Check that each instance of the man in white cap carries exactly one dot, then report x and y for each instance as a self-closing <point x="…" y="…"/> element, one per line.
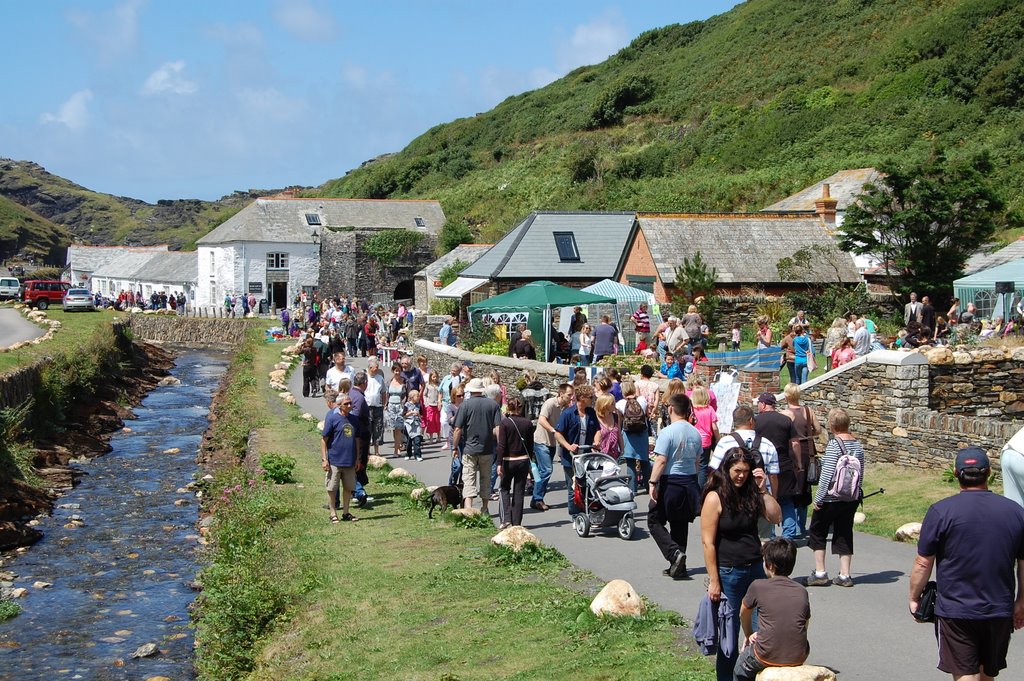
<point x="477" y="420"/>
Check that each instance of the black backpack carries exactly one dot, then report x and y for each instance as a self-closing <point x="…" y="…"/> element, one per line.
<point x="634" y="419"/>
<point x="754" y="448"/>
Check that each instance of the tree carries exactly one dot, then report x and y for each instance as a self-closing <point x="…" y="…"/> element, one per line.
<point x="922" y="222"/>
<point x="452" y="234"/>
<point x="694" y="277"/>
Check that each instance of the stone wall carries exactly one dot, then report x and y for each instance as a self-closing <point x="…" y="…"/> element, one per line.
<point x="987" y="381"/>
<point x="189" y="331"/>
<point x="440" y="357"/>
<point x="18" y="386"/>
<point x="887" y="395"/>
<point x="346" y="268"/>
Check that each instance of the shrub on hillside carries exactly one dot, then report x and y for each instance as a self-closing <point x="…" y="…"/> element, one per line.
<point x="278" y="468"/>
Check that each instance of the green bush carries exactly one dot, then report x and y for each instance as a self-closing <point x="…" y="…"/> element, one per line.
<point x="446" y="306"/>
<point x="612" y="103"/>
<point x="278" y="468"/>
<point x="452" y="234"/>
<point x="581" y="163"/>
<point x="9" y="609"/>
<point x="494" y="347"/>
<point x="530" y="557"/>
<point x="242" y="595"/>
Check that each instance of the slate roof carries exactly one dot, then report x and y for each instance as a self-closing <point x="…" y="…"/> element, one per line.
<point x="124" y="266"/>
<point x="987" y="258"/>
<point x="468" y="253"/>
<point x="169" y="267"/>
<point x="528" y="252"/>
<point x="844" y="187"/>
<point x="742" y="247"/>
<point x="284" y="219"/>
<point x="89" y="258"/>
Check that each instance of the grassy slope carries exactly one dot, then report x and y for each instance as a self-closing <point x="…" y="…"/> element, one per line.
<point x="732" y="114"/>
<point x="23" y="231"/>
<point x="76" y="329"/>
<point x="396" y="596"/>
<point x="102" y="219"/>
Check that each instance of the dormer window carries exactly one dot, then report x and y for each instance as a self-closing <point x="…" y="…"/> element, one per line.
<point x="312" y="219"/>
<point x="565" y="242"/>
<point x="420" y="222"/>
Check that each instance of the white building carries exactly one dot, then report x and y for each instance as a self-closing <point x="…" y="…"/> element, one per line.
<point x="268" y="248"/>
<point x="83" y="261"/>
<point x="161" y="272"/>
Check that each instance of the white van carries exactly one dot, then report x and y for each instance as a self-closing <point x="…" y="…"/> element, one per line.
<point x="10" y="287"/>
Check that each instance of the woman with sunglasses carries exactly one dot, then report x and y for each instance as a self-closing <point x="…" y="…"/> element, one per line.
<point x="735" y="497"/>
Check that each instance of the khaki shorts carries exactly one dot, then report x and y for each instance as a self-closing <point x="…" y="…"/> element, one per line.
<point x="346" y="475"/>
<point x="476" y="475"/>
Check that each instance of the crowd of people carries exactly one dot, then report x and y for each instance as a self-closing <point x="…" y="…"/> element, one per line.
<point x="760" y="491"/>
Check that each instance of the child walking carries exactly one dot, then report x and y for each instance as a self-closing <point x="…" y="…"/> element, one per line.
<point x="736" y="336"/>
<point x="413" y="428"/>
<point x="432" y="411"/>
<point x="783" y="611"/>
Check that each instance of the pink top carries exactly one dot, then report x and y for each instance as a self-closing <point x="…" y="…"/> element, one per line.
<point x="610" y="438"/>
<point x="706" y="418"/>
<point x="843" y="356"/>
<point x="711" y="394"/>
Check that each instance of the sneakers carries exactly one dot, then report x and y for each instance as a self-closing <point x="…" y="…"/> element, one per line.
<point x="678" y="568"/>
<point x="815" y="580"/>
<point x="419" y="458"/>
<point x="843" y="580"/>
<point x="408" y="458"/>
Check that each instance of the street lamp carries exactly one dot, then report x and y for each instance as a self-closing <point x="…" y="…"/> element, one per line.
<point x="316" y="236"/>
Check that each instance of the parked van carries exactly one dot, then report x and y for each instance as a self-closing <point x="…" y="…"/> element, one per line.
<point x="10" y="287"/>
<point x="42" y="293"/>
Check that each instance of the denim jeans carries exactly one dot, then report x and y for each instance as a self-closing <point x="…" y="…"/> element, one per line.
<point x="494" y="475"/>
<point x="456" y="475"/>
<point x="748" y="666"/>
<point x="631" y="465"/>
<point x="793" y="376"/>
<point x="791" y="527"/>
<point x="735" y="582"/>
<point x="801" y="372"/>
<point x="573" y="508"/>
<point x="414" y="446"/>
<point x="542" y="472"/>
<point x="702" y="467"/>
<point x="801" y="518"/>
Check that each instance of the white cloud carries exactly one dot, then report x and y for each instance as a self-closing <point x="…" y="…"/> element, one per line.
<point x="306" y="22"/>
<point x="593" y="42"/>
<point x="74" y="113"/>
<point x="168" y="78"/>
<point x="113" y="33"/>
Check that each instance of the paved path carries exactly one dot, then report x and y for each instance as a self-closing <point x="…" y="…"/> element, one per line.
<point x="15" y="328"/>
<point x="862" y="633"/>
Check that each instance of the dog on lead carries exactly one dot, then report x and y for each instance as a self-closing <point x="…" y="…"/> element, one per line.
<point x="446" y="496"/>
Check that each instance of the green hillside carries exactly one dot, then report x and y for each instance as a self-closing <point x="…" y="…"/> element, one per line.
<point x="732" y="113"/>
<point x="23" y="232"/>
<point x="102" y="219"/>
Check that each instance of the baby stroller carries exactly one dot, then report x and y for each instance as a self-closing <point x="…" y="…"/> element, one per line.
<point x="603" y="493"/>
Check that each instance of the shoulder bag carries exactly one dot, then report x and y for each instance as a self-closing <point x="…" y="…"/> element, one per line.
<point x="803" y="449"/>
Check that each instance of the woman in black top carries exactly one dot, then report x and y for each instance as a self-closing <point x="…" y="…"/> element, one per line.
<point x="515" y="448"/>
<point x="310" y="369"/>
<point x="524" y="348"/>
<point x="734" y="499"/>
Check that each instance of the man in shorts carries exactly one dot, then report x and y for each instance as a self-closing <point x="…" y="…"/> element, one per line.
<point x="476" y="425"/>
<point x="338" y="456"/>
<point x="974" y="539"/>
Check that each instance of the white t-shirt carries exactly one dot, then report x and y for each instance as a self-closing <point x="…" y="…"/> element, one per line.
<point x="333" y="378"/>
<point x="374" y="390"/>
<point x="767" y="450"/>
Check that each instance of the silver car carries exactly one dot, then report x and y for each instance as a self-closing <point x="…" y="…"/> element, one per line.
<point x="79" y="299"/>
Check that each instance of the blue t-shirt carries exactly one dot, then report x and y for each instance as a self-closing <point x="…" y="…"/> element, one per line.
<point x="681" y="443"/>
<point x="340" y="433"/>
<point x="801" y="346"/>
<point x="672" y="371"/>
<point x="604" y="339"/>
<point x="977" y="537"/>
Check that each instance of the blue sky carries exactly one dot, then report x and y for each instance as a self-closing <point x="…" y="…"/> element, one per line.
<point x="195" y="99"/>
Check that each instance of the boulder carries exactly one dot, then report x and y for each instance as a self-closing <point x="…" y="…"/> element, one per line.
<point x="290" y="399"/>
<point x="320" y="427"/>
<point x="169" y="380"/>
<point x="962" y="358"/>
<point x="909" y="532"/>
<point x="41" y="585"/>
<point x="277" y="375"/>
<point x="939" y="355"/>
<point x="308" y="416"/>
<point x="285" y="395"/>
<point x="19" y="592"/>
<point x="805" y="672"/>
<point x="466" y="512"/>
<point x="172" y="450"/>
<point x="859" y="518"/>
<point x="146" y="650"/>
<point x="515" y="538"/>
<point x="1018" y="354"/>
<point x="399" y="473"/>
<point x="373" y="461"/>
<point x="282" y="366"/>
<point x="618" y="598"/>
<point x="418" y="493"/>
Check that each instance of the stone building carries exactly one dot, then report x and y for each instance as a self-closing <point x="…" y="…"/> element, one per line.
<point x="280" y="246"/>
<point x="169" y="272"/>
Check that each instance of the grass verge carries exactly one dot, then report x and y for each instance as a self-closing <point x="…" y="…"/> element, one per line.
<point x="396" y="596"/>
<point x="75" y="332"/>
<point x="908" y="494"/>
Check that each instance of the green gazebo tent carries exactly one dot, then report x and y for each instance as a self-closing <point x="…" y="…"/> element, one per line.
<point x="531" y="305"/>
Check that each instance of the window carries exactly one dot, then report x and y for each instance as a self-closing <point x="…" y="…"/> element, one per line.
<point x="985" y="302"/>
<point x="213" y="264"/>
<point x="566" y="244"/>
<point x="312" y="219"/>
<point x="420" y="222"/>
<point x="277" y="261"/>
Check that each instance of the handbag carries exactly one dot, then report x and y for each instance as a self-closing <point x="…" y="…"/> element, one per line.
<point x="812" y="363"/>
<point x="803" y="452"/>
<point x="926" y="604"/>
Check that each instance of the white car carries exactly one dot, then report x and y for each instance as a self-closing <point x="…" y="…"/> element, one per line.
<point x="10" y="287"/>
<point x="79" y="299"/>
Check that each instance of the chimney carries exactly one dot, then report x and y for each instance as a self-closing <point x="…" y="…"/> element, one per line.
<point x="825" y="207"/>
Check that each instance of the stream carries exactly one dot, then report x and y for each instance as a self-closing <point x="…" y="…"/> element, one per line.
<point x="118" y="552"/>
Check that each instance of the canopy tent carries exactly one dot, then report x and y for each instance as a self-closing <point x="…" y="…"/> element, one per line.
<point x="627" y="300"/>
<point x="980" y="288"/>
<point x="531" y="305"/>
<point x="460" y="287"/>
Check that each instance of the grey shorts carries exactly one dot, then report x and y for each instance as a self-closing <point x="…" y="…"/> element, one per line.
<point x="476" y="475"/>
<point x="346" y="475"/>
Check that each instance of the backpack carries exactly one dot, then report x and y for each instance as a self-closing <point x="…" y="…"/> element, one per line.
<point x="754" y="449"/>
<point x="845" y="485"/>
<point x="634" y="419"/>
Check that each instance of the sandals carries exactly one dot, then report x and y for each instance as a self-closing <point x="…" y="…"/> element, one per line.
<point x="348" y="517"/>
<point x="334" y="519"/>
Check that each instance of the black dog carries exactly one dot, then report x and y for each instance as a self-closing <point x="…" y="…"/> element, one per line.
<point x="446" y="496"/>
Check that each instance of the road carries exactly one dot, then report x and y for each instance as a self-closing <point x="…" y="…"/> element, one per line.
<point x="862" y="633"/>
<point x="14" y="328"/>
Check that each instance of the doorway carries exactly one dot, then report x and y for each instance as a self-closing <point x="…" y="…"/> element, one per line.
<point x="405" y="290"/>
<point x="278" y="293"/>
